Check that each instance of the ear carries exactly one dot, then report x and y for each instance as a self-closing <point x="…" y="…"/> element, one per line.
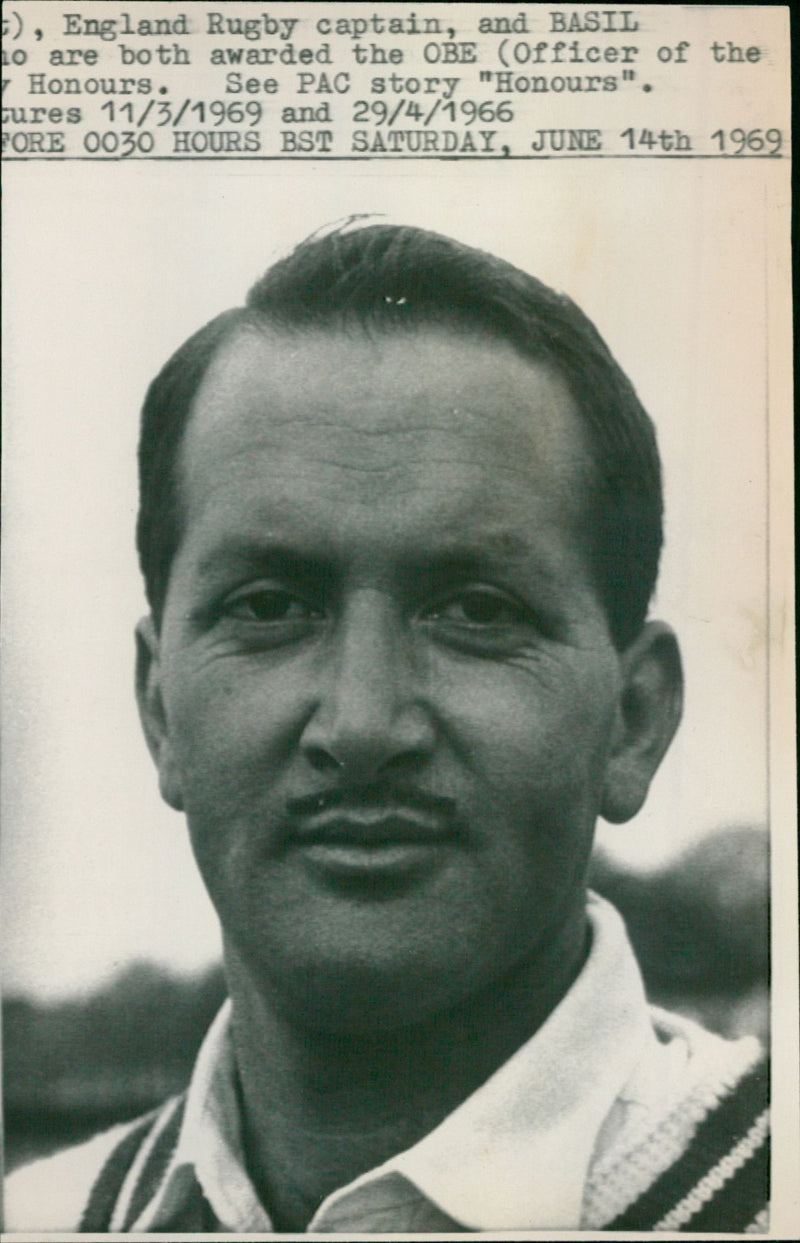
<point x="151" y="711"/>
<point x="648" y="714"/>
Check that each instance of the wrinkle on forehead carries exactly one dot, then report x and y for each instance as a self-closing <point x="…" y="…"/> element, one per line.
<point x="371" y="367"/>
<point x="398" y="411"/>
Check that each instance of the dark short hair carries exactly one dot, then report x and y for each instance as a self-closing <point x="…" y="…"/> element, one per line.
<point x="386" y="278"/>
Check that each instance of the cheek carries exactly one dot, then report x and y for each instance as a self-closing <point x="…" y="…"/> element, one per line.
<point x="233" y="714"/>
<point x="532" y="727"/>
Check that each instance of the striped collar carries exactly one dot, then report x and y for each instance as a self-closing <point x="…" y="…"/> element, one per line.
<point x="514" y="1153"/>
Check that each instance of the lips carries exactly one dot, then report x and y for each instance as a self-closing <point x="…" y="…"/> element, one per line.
<point x="371" y="819"/>
<point x="380" y="829"/>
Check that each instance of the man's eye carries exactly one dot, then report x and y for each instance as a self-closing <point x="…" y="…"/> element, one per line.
<point x="268" y="604"/>
<point x="478" y="606"/>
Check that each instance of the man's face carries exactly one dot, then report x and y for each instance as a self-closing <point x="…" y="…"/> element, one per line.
<point x="386" y="681"/>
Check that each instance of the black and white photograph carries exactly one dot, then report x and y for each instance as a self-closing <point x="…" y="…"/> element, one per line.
<point x="399" y="811"/>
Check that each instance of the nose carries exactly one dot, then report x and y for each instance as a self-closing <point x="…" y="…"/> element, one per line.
<point x="370" y="719"/>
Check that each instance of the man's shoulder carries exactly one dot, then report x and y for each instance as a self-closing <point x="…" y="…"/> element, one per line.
<point x="693" y="1149"/>
<point x="55" y="1193"/>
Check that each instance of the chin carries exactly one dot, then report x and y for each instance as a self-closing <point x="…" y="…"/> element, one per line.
<point x="356" y="995"/>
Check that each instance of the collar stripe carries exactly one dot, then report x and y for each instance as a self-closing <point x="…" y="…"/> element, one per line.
<point x="109" y="1182"/>
<point x="156" y="1163"/>
<point x="724" y="1130"/>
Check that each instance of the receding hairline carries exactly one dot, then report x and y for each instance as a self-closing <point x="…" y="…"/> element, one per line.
<point x="271" y="331"/>
<point x="581" y="458"/>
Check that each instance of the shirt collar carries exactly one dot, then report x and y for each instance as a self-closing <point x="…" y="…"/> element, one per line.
<point x="513" y="1155"/>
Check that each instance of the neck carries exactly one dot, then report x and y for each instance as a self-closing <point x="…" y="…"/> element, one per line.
<point x="321" y="1108"/>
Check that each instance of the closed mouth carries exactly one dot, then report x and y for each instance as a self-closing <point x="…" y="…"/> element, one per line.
<point x="383" y="828"/>
<point x="371" y="819"/>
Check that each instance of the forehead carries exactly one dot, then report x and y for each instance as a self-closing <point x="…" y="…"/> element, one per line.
<point x="424" y="399"/>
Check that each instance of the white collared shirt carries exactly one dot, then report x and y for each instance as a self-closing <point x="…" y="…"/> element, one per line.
<point x="560" y="1137"/>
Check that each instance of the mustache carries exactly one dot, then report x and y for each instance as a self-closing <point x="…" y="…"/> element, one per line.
<point x="374" y="797"/>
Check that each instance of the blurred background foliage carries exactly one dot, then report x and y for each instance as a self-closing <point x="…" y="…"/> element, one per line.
<point x="700" y="927"/>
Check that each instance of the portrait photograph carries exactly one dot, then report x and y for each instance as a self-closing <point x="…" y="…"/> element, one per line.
<point x="399" y="828"/>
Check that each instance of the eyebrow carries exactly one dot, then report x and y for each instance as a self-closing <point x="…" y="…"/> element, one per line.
<point x="443" y="559"/>
<point x="244" y="555"/>
<point x="505" y="545"/>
